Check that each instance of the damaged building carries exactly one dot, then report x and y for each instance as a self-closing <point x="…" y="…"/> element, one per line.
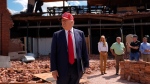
<point x="30" y="32"/>
<point x="100" y="17"/>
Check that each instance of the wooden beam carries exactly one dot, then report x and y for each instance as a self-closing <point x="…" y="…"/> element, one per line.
<point x="107" y="18"/>
<point x="33" y="18"/>
<point x="136" y="16"/>
<point x="104" y="28"/>
<point x="26" y="69"/>
<point x="36" y="18"/>
<point x="45" y="76"/>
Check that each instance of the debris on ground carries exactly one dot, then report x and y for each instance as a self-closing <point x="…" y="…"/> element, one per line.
<point x="95" y="66"/>
<point x="23" y="72"/>
<point x="135" y="71"/>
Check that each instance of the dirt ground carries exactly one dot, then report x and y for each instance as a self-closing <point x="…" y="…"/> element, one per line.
<point x="93" y="75"/>
<point x="109" y="78"/>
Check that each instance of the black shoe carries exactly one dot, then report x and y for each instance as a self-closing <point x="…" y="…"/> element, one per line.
<point x="102" y="74"/>
<point x="116" y="73"/>
<point x="105" y="73"/>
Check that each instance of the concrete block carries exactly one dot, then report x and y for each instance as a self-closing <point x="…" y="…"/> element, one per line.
<point x="4" y="61"/>
<point x="17" y="55"/>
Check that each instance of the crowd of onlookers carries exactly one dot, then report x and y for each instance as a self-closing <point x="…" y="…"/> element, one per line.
<point x="118" y="50"/>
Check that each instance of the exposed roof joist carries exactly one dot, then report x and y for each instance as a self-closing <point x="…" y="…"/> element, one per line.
<point x="88" y="25"/>
<point x="109" y="17"/>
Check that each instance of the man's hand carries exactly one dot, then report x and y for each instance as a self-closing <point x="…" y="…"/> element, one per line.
<point x="55" y="74"/>
<point x="114" y="54"/>
<point x="136" y="47"/>
<point x="128" y="45"/>
<point x="86" y="69"/>
<point x="147" y="50"/>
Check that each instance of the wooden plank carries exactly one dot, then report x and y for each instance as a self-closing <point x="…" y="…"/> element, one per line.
<point x="34" y="18"/>
<point x="138" y="16"/>
<point x="49" y="78"/>
<point x="127" y="9"/>
<point x="26" y="69"/>
<point x="82" y="16"/>
<point x="45" y="76"/>
<point x="107" y="18"/>
<point x="25" y="83"/>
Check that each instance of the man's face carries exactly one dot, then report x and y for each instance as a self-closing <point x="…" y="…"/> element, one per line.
<point x="67" y="24"/>
<point x="118" y="40"/>
<point x="134" y="38"/>
<point x="144" y="39"/>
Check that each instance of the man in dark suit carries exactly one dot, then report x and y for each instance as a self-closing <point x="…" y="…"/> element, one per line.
<point x="69" y="57"/>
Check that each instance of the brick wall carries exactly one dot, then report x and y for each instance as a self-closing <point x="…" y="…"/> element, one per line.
<point x="6" y="24"/>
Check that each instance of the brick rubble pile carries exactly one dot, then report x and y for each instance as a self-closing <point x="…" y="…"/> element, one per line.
<point x="23" y="72"/>
<point x="135" y="71"/>
<point x="95" y="66"/>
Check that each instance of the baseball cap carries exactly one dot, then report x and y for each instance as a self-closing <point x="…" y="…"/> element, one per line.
<point x="68" y="16"/>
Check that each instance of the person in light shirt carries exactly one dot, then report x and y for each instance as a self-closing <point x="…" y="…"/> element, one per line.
<point x="103" y="49"/>
<point x="118" y="50"/>
<point x="145" y="50"/>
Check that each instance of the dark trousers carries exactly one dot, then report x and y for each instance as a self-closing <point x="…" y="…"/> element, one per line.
<point x="30" y="8"/>
<point x="118" y="59"/>
<point x="72" y="77"/>
<point x="38" y="8"/>
<point x="134" y="56"/>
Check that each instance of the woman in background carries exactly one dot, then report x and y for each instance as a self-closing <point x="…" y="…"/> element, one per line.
<point x="103" y="49"/>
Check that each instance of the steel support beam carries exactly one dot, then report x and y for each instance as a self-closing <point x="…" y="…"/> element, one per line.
<point x="27" y="37"/>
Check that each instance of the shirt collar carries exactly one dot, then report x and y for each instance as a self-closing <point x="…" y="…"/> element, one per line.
<point x="145" y="42"/>
<point x="70" y="30"/>
<point x="118" y="43"/>
<point x="135" y="41"/>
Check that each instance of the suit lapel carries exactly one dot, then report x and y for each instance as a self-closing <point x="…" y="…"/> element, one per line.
<point x="76" y="35"/>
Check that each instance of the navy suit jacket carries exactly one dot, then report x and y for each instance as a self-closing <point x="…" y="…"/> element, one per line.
<point x="59" y="52"/>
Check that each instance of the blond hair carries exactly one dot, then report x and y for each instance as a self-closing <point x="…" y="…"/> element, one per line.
<point x="104" y="41"/>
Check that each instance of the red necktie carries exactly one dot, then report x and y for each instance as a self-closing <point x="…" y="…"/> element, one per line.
<point x="70" y="48"/>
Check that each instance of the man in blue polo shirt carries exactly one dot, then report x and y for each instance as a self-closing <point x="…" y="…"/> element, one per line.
<point x="145" y="50"/>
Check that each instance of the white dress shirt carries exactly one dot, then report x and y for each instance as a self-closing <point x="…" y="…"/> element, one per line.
<point x="73" y="39"/>
<point x="101" y="47"/>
